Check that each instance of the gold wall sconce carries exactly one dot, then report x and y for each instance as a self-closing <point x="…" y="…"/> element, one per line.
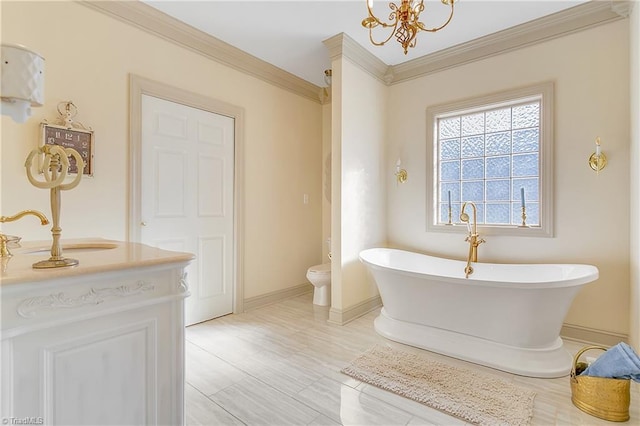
<point x="597" y="160"/>
<point x="401" y="174"/>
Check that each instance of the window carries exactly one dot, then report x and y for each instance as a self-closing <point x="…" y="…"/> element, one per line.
<point x="494" y="151"/>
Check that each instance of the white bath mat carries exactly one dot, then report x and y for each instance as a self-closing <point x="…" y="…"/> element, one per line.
<point x="474" y="397"/>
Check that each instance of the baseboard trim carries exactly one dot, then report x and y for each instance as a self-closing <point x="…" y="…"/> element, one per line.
<point x="591" y="335"/>
<point x="276" y="296"/>
<point x="342" y="317"/>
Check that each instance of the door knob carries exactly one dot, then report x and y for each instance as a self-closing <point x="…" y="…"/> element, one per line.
<point x="143" y="223"/>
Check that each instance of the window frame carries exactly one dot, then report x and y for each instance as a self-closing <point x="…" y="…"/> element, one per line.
<point x="544" y="91"/>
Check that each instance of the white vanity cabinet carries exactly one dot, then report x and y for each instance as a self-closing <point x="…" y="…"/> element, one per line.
<point x="99" y="345"/>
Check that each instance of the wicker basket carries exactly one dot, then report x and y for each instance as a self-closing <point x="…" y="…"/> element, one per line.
<point x="601" y="397"/>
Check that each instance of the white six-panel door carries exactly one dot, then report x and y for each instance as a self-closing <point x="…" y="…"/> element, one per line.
<point x="187" y="197"/>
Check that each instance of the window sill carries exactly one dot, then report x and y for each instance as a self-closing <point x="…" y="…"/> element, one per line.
<point x="506" y="230"/>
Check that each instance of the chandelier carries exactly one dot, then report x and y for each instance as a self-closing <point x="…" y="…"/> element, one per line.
<point x="404" y="21"/>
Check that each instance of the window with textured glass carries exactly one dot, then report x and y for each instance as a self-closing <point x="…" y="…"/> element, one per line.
<point x="490" y="154"/>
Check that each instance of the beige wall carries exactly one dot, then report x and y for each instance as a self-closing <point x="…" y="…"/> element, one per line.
<point x="89" y="57"/>
<point x="358" y="205"/>
<point x="634" y="68"/>
<point x="591" y="74"/>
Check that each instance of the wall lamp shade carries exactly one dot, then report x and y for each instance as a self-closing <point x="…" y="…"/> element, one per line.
<point x="328" y="74"/>
<point x="22" y="81"/>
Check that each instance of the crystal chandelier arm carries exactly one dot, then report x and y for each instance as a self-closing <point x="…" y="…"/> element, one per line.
<point x="372" y="21"/>
<point x="404" y="21"/>
<point x="433" y="30"/>
<point x="393" y="30"/>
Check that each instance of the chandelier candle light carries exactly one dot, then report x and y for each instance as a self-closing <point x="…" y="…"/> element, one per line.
<point x="404" y="21"/>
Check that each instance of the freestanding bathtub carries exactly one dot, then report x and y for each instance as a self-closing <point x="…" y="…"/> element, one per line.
<point x="504" y="316"/>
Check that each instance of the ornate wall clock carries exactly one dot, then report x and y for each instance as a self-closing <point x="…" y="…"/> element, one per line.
<point x="70" y="134"/>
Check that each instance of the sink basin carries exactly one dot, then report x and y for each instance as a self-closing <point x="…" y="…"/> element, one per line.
<point x="74" y="248"/>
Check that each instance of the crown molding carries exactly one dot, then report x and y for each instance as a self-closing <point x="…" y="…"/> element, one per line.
<point x="562" y="23"/>
<point x="153" y="21"/>
<point x="559" y="24"/>
<point x="623" y="7"/>
<point x="341" y="45"/>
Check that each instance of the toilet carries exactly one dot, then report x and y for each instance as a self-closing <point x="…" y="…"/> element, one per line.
<point x="320" y="277"/>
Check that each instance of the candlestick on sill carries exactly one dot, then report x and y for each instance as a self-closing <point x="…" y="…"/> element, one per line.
<point x="449" y="206"/>
<point x="524" y="218"/>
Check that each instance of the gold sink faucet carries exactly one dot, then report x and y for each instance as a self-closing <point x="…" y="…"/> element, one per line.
<point x="4" y="250"/>
<point x="473" y="238"/>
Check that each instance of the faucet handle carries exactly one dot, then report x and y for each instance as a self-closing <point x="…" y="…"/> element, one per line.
<point x="4" y="239"/>
<point x="4" y="249"/>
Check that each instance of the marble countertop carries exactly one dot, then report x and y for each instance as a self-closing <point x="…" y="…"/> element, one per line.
<point x="95" y="255"/>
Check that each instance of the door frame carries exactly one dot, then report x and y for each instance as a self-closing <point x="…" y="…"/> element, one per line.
<point x="139" y="86"/>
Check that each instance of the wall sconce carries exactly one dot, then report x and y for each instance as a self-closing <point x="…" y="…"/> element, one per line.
<point x="22" y="81"/>
<point x="598" y="160"/>
<point x="327" y="79"/>
<point x="327" y="76"/>
<point x="401" y="174"/>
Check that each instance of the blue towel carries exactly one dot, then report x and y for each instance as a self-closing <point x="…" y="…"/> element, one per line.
<point x="619" y="361"/>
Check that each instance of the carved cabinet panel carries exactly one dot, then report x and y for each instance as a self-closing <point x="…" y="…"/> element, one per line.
<point x="100" y="349"/>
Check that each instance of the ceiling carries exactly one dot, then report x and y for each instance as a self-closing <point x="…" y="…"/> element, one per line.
<point x="289" y="34"/>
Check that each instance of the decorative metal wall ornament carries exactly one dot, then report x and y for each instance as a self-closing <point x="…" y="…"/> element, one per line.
<point x="68" y="133"/>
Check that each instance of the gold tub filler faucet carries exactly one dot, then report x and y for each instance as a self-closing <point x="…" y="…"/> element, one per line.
<point x="4" y="249"/>
<point x="473" y="238"/>
<point x="55" y="167"/>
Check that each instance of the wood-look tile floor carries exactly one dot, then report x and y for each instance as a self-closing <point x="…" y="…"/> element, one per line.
<point x="280" y="365"/>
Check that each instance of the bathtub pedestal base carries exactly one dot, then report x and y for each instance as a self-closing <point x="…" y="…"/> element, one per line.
<point x="546" y="362"/>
